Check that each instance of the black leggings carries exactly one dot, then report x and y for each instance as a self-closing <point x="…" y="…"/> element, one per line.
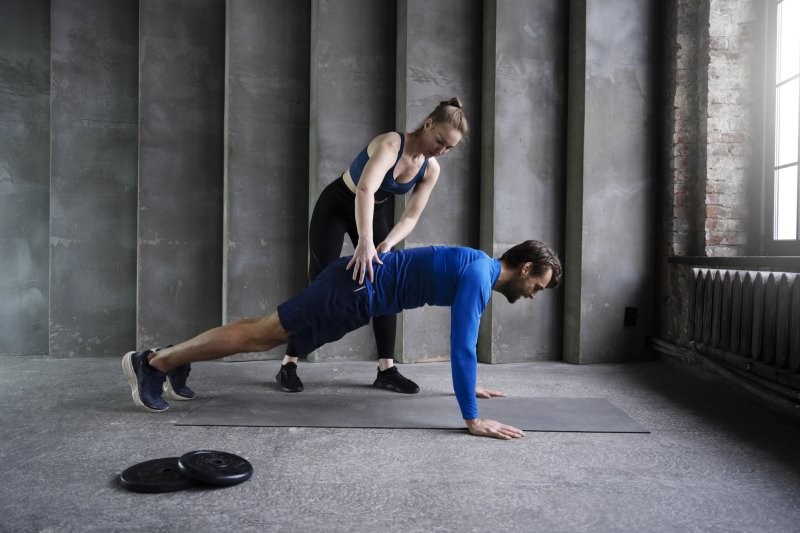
<point x="334" y="215"/>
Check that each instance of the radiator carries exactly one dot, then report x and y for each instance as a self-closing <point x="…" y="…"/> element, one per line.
<point x="753" y="314"/>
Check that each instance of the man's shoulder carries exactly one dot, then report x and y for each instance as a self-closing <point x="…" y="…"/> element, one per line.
<point x="480" y="266"/>
<point x="475" y="279"/>
<point x="460" y="259"/>
<point x="470" y="254"/>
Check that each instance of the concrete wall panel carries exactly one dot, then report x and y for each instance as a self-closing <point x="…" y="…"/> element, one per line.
<point x="524" y="175"/>
<point x="441" y="59"/>
<point x="94" y="93"/>
<point x="303" y="92"/>
<point x="266" y="168"/>
<point x="352" y="100"/>
<point x="24" y="175"/>
<point x="612" y="244"/>
<point x="439" y="56"/>
<point x="182" y="69"/>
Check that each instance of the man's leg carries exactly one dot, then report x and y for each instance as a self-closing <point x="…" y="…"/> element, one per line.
<point x="248" y="335"/>
<point x="147" y="370"/>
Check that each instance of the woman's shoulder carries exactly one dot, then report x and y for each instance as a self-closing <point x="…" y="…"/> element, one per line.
<point x="432" y="170"/>
<point x="387" y="141"/>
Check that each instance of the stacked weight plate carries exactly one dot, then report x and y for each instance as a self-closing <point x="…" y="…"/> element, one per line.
<point x="199" y="467"/>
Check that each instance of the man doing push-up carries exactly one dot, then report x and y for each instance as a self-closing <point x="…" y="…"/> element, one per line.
<point x="335" y="304"/>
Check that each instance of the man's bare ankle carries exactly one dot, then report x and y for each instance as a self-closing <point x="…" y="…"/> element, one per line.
<point x="156" y="361"/>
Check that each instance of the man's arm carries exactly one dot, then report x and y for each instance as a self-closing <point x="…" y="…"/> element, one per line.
<point x="465" y="317"/>
<point x="472" y="295"/>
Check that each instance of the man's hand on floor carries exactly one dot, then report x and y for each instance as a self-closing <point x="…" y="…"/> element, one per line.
<point x="480" y="392"/>
<point x="482" y="427"/>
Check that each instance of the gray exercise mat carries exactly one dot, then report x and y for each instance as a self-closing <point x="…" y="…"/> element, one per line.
<point x="420" y="411"/>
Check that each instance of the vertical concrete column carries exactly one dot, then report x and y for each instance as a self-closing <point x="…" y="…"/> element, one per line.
<point x="182" y="45"/>
<point x="610" y="221"/>
<point x="352" y="100"/>
<point x="523" y="174"/>
<point x="93" y="163"/>
<point x="438" y="57"/>
<point x="266" y="156"/>
<point x="24" y="175"/>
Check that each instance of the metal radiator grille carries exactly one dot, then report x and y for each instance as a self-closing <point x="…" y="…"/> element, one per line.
<point x="749" y="313"/>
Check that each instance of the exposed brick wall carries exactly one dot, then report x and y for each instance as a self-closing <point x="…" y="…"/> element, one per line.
<point x="712" y="67"/>
<point x="685" y="67"/>
<point x="732" y="178"/>
<point x="678" y="151"/>
<point x="713" y="102"/>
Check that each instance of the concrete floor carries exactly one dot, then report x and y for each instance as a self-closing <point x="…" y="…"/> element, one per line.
<point x="715" y="461"/>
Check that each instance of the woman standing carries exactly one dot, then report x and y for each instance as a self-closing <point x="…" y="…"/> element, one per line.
<point x="393" y="163"/>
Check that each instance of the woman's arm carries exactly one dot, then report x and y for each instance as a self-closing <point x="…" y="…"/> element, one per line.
<point x="416" y="205"/>
<point x="383" y="157"/>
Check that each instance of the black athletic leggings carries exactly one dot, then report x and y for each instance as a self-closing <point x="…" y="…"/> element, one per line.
<point x="334" y="215"/>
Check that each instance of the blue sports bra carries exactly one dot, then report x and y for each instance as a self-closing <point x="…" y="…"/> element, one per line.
<point x="389" y="186"/>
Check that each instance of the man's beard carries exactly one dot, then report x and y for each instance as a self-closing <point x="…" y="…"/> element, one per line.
<point x="513" y="291"/>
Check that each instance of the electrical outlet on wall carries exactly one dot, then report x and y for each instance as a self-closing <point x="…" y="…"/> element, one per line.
<point x="630" y="317"/>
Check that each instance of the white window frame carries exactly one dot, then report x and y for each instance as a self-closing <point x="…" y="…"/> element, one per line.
<point x="773" y="245"/>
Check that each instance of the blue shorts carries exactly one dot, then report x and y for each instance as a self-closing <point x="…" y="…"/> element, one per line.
<point x="326" y="310"/>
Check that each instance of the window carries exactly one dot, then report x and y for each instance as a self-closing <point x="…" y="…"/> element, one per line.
<point x="784" y="148"/>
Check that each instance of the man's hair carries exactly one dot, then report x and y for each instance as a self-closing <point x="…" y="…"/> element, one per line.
<point x="540" y="254"/>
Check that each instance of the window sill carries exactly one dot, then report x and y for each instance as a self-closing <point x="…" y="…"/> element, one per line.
<point x="788" y="262"/>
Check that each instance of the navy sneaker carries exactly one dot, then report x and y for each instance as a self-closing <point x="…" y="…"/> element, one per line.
<point x="287" y="378"/>
<point x="175" y="385"/>
<point x="146" y="382"/>
<point x="392" y="379"/>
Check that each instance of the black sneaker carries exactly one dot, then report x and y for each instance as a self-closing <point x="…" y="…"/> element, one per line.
<point x="287" y="378"/>
<point x="146" y="382"/>
<point x="175" y="387"/>
<point x="392" y="379"/>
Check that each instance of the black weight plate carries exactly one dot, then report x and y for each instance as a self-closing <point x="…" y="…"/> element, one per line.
<point x="158" y="475"/>
<point x="215" y="468"/>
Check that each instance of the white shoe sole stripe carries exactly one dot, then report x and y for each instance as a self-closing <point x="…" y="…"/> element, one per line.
<point x="127" y="368"/>
<point x="170" y="393"/>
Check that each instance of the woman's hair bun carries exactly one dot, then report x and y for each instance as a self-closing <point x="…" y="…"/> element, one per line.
<point x="448" y="112"/>
<point x="455" y="102"/>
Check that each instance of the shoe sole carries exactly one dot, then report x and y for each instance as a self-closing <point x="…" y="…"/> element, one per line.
<point x="130" y="373"/>
<point x="170" y="393"/>
<point x="393" y="388"/>
<point x="287" y="389"/>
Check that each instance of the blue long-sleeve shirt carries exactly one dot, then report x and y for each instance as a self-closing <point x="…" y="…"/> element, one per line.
<point x="458" y="277"/>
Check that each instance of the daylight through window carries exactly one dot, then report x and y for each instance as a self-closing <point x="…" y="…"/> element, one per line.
<point x="787" y="121"/>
